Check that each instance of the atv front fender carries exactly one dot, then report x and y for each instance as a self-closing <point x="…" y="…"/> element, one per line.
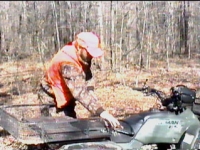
<point x="191" y="138"/>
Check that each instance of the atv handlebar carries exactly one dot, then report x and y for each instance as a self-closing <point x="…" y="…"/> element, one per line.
<point x="172" y="102"/>
<point x="151" y="91"/>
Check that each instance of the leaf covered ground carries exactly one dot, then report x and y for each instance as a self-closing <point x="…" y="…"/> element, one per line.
<point x="19" y="83"/>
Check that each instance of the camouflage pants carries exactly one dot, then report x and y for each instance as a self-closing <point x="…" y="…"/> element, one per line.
<point x="50" y="108"/>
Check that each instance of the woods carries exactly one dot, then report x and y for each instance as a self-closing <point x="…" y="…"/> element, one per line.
<point x="132" y="32"/>
<point x="154" y="40"/>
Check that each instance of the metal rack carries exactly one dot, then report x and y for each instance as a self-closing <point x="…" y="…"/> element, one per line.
<point x="45" y="129"/>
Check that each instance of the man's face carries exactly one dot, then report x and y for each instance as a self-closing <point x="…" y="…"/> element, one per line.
<point x="83" y="53"/>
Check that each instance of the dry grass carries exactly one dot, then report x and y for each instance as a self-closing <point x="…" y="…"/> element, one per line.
<point x="19" y="83"/>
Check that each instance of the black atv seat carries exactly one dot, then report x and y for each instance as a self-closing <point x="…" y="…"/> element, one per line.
<point x="135" y="122"/>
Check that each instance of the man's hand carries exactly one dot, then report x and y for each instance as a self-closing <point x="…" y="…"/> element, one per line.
<point x="111" y="119"/>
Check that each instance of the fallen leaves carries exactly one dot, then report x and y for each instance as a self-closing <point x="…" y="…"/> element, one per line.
<point x="112" y="89"/>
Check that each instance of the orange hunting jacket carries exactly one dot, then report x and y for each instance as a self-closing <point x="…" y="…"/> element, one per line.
<point x="68" y="80"/>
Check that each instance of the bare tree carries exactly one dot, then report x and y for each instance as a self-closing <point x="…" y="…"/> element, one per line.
<point x="138" y="31"/>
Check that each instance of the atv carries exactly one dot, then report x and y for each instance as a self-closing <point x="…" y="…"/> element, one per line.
<point x="175" y="127"/>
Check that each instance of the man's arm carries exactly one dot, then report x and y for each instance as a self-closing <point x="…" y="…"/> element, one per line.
<point x="76" y="82"/>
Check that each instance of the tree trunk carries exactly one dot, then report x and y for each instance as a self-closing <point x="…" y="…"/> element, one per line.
<point x="56" y="23"/>
<point x="186" y="18"/>
<point x="100" y="19"/>
<point x="112" y="35"/>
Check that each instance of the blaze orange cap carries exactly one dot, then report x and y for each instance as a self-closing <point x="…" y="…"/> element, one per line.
<point x="90" y="42"/>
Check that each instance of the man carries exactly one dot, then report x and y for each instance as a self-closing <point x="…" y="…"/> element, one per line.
<point x="67" y="74"/>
